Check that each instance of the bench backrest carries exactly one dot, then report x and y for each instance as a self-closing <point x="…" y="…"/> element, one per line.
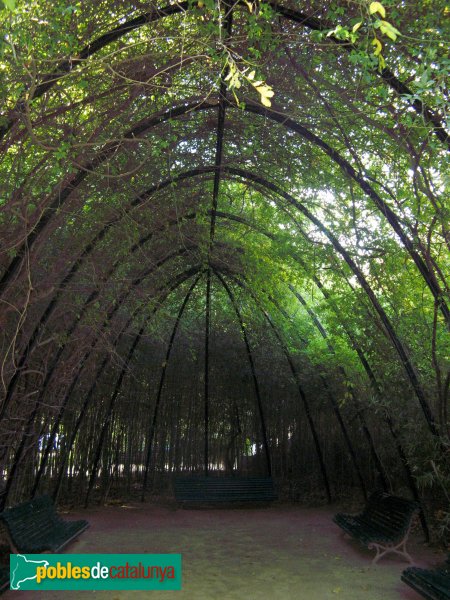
<point x="30" y="519"/>
<point x="391" y="514"/>
<point x="224" y="489"/>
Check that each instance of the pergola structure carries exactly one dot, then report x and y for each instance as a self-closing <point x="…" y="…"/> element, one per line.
<point x="223" y="246"/>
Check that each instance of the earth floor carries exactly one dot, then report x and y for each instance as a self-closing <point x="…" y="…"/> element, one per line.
<point x="276" y="553"/>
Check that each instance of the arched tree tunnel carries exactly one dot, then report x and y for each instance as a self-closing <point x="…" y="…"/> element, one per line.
<point x="224" y="249"/>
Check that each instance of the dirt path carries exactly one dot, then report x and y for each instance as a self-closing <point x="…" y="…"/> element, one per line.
<point x="277" y="553"/>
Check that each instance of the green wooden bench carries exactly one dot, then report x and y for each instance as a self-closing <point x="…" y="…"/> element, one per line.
<point x="433" y="584"/>
<point x="224" y="490"/>
<point x="34" y="527"/>
<point x="384" y="525"/>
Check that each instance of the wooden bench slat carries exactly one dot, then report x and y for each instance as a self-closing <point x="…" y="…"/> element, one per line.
<point x="223" y="490"/>
<point x="433" y="584"/>
<point x="35" y="526"/>
<point x="384" y="524"/>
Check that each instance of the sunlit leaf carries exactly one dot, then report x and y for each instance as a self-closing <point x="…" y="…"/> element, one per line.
<point x="378" y="47"/>
<point x="377" y="7"/>
<point x="389" y="30"/>
<point x="9" y="4"/>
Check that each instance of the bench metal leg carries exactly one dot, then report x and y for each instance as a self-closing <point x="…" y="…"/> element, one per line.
<point x="398" y="549"/>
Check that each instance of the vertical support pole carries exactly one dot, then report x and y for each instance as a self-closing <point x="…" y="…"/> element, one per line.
<point x="109" y="411"/>
<point x="206" y="406"/>
<point x="253" y="371"/>
<point x="306" y="405"/>
<point x="160" y="388"/>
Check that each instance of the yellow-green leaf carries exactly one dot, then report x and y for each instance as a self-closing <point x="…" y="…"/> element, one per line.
<point x="356" y="27"/>
<point x="10" y="4"/>
<point x="389" y="30"/>
<point x="377" y="7"/>
<point x="378" y="47"/>
<point x="265" y="90"/>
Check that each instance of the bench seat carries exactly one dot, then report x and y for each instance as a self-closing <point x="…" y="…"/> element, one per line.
<point x="432" y="584"/>
<point x="34" y="527"/>
<point x="384" y="525"/>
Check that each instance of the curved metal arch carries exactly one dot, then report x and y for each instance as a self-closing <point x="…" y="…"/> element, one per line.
<point x="61" y="195"/>
<point x="51" y="306"/>
<point x="289" y="14"/>
<point x="32" y="418"/>
<point x="387" y="417"/>
<point x="64" y="67"/>
<point x="153" y="421"/>
<point x="253" y="371"/>
<point x="368" y="190"/>
<point x="33" y="415"/>
<point x="56" y="424"/>
<point x="367" y="368"/>
<point x="163" y="294"/>
<point x="50" y="442"/>
<point x="49" y="311"/>
<point x="398" y="345"/>
<point x="278" y="117"/>
<point x="119" y="385"/>
<point x="265" y="184"/>
<point x="307" y="408"/>
<point x="333" y="402"/>
<point x="180" y="279"/>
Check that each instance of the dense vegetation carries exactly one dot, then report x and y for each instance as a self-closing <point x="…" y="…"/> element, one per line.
<point x="225" y="217"/>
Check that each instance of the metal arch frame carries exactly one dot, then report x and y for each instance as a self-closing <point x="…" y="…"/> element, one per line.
<point x="62" y="194"/>
<point x="145" y="124"/>
<point x="334" y="404"/>
<point x="320" y="328"/>
<point x="265" y="184"/>
<point x="362" y="281"/>
<point x="153" y="421"/>
<point x="246" y="223"/>
<point x="47" y="313"/>
<point x="305" y="404"/>
<point x="291" y="15"/>
<point x="50" y="441"/>
<point x="220" y="131"/>
<point x="367" y="368"/>
<point x="338" y="415"/>
<point x="184" y="276"/>
<point x="252" y="369"/>
<point x="112" y="311"/>
<point x="118" y="386"/>
<point x="239" y="220"/>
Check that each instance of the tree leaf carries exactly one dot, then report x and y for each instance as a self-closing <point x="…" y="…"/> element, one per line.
<point x="378" y="46"/>
<point x="389" y="30"/>
<point x="10" y="4"/>
<point x="377" y="7"/>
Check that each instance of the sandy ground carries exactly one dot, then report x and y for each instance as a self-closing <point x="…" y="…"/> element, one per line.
<point x="275" y="553"/>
